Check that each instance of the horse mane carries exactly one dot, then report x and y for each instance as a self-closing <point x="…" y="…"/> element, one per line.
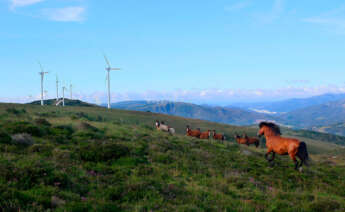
<point x="275" y="128"/>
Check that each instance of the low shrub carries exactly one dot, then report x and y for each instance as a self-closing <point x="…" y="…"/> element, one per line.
<point x="43" y="122"/>
<point x="22" y="139"/>
<point x="25" y="127"/>
<point x="5" y="138"/>
<point x="15" y="111"/>
<point x="102" y="152"/>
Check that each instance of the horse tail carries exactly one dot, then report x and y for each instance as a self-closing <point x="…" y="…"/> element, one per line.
<point x="302" y="153"/>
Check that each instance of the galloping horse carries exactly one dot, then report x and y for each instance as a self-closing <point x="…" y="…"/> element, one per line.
<point x="251" y="140"/>
<point x="218" y="136"/>
<point x="193" y="133"/>
<point x="162" y="127"/>
<point x="283" y="146"/>
<point x="205" y="135"/>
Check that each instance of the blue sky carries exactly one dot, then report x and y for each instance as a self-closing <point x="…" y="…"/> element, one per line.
<point x="215" y="52"/>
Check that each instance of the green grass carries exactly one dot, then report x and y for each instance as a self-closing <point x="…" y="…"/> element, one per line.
<point x="92" y="159"/>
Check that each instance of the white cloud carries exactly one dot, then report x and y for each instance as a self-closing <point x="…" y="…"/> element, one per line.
<point x="67" y="14"/>
<point x="334" y="19"/>
<point x="275" y="13"/>
<point x="23" y="3"/>
<point x="237" y="6"/>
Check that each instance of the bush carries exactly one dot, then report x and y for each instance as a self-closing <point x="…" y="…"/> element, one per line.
<point x="25" y="127"/>
<point x="42" y="122"/>
<point x="324" y="205"/>
<point x="102" y="152"/>
<point x="87" y="127"/>
<point x="15" y="111"/>
<point x="5" y="138"/>
<point x="22" y="139"/>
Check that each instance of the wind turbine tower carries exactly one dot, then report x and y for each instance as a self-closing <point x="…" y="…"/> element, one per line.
<point x="42" y="73"/>
<point x="57" y="89"/>
<point x="63" y="95"/>
<point x="70" y="89"/>
<point x="108" y="69"/>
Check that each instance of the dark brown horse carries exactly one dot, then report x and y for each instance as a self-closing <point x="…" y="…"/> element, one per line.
<point x="240" y="140"/>
<point x="251" y="140"/>
<point x="283" y="146"/>
<point x="205" y="135"/>
<point x="193" y="133"/>
<point x="216" y="136"/>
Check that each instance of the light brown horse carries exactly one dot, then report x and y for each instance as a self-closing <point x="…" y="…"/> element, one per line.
<point x="205" y="135"/>
<point x="283" y="146"/>
<point x="251" y="140"/>
<point x="193" y="133"/>
<point x="216" y="136"/>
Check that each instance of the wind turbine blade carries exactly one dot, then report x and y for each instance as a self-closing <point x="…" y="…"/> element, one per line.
<point x="40" y="66"/>
<point x="106" y="60"/>
<point x="115" y="69"/>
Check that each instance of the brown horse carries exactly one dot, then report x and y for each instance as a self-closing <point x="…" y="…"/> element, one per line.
<point x="283" y="146"/>
<point x="240" y="140"/>
<point x="216" y="136"/>
<point x="193" y="133"/>
<point x="205" y="135"/>
<point x="251" y="140"/>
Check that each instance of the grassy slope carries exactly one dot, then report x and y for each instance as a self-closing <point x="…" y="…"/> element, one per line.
<point x="123" y="163"/>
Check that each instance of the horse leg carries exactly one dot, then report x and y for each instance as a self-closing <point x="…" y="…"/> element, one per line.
<point x="267" y="153"/>
<point x="293" y="157"/>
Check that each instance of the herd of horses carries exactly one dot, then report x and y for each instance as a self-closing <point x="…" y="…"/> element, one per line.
<point x="275" y="143"/>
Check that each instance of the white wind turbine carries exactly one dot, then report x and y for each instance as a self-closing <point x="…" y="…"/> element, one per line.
<point x="57" y="89"/>
<point x="63" y="95"/>
<point x="108" y="69"/>
<point x="70" y="89"/>
<point x="42" y="73"/>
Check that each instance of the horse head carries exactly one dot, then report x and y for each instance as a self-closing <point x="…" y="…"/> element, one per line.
<point x="268" y="129"/>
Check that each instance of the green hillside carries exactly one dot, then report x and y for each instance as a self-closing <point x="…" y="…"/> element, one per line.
<point x="93" y="159"/>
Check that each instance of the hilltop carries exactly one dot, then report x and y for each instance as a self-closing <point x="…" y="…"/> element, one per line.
<point x="94" y="159"/>
<point x="68" y="102"/>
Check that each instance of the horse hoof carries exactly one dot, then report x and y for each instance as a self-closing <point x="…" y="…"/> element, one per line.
<point x="300" y="169"/>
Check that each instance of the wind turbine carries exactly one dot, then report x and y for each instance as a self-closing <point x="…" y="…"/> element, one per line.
<point x="108" y="69"/>
<point x="42" y="73"/>
<point x="63" y="95"/>
<point x="70" y="89"/>
<point x="45" y="94"/>
<point x="57" y="89"/>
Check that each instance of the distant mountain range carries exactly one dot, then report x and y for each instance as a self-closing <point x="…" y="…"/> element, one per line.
<point x="216" y="114"/>
<point x="290" y="104"/>
<point x="324" y="113"/>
